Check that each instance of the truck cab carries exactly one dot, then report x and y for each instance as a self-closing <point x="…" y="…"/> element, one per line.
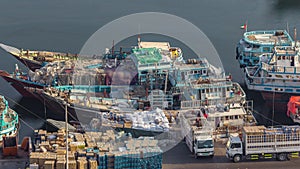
<point x="234" y="149"/>
<point x="203" y="146"/>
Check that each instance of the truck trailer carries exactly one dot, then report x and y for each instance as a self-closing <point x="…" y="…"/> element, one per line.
<point x="259" y="142"/>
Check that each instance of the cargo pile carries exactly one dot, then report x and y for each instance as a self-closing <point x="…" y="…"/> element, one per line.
<point x="62" y="73"/>
<point x="94" y="150"/>
<point x="154" y="120"/>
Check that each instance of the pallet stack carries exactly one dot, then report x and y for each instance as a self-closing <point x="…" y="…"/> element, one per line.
<point x="61" y="164"/>
<point x="49" y="165"/>
<point x="96" y="150"/>
<point x="102" y="162"/>
<point x="93" y="165"/>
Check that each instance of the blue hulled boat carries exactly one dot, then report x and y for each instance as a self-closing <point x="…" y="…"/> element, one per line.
<point x="255" y="43"/>
<point x="9" y="120"/>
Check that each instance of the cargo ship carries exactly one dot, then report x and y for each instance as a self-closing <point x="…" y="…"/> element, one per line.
<point x="269" y="60"/>
<point x="9" y="120"/>
<point x="276" y="76"/>
<point x="34" y="59"/>
<point x="255" y="43"/>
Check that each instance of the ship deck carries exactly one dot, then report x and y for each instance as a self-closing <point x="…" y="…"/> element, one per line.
<point x="268" y="37"/>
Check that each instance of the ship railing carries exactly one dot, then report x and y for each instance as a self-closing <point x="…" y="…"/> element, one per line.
<point x="192" y="104"/>
<point x="280" y="69"/>
<point x="249" y="106"/>
<point x="285" y="51"/>
<point x="236" y="99"/>
<point x="285" y="39"/>
<point x="257" y="80"/>
<point x="83" y="88"/>
<point x="259" y="32"/>
<point x="260" y="80"/>
<point x="155" y="65"/>
<point x="214" y="84"/>
<point x="253" y="51"/>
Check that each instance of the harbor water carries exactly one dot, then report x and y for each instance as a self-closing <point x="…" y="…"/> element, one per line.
<point x="66" y="25"/>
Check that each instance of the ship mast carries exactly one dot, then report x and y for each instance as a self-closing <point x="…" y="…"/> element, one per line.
<point x="295" y="36"/>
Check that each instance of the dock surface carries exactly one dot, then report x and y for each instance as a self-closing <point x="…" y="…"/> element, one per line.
<point x="14" y="162"/>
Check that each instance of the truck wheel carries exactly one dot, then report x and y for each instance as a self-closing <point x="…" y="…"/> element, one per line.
<point x="281" y="157"/>
<point x="212" y="156"/>
<point x="237" y="158"/>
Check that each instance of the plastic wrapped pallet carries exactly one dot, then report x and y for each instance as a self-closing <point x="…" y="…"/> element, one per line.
<point x="42" y="160"/>
<point x="90" y="155"/>
<point x="71" y="156"/>
<point x="102" y="160"/>
<point x="81" y="153"/>
<point x="34" y="157"/>
<point x="49" y="164"/>
<point x="50" y="157"/>
<point x="82" y="164"/>
<point x="73" y="147"/>
<point x="72" y="164"/>
<point x="34" y="166"/>
<point x="60" y="164"/>
<point x="61" y="151"/>
<point x="110" y="160"/>
<point x="60" y="157"/>
<point x="93" y="165"/>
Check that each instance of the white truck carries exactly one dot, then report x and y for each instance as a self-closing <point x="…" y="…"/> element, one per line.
<point x="198" y="138"/>
<point x="259" y="142"/>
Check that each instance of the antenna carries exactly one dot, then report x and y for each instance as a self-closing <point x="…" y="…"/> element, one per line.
<point x="295" y="36"/>
<point x="139" y="35"/>
<point x="139" y="41"/>
<point x="112" y="49"/>
<point x="287" y="27"/>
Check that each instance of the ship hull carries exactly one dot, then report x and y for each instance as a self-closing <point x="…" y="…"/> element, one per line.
<point x="82" y="114"/>
<point x="19" y="85"/>
<point x="9" y="120"/>
<point x="75" y="112"/>
<point x="29" y="63"/>
<point x="278" y="101"/>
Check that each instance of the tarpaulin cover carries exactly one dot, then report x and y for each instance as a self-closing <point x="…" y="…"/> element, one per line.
<point x="293" y="105"/>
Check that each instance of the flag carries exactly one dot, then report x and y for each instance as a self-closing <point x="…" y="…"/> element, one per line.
<point x="244" y="26"/>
